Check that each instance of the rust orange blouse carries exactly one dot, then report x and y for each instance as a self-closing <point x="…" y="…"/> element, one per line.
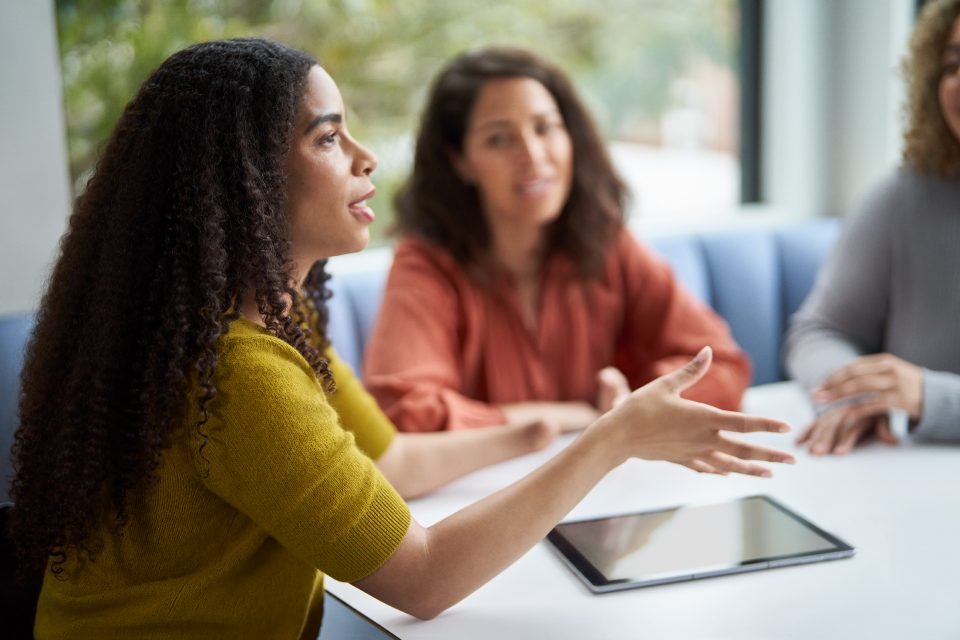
<point x="444" y="352"/>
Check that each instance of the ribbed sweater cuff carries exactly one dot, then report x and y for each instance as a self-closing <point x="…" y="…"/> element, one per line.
<point x="941" y="407"/>
<point x="381" y="529"/>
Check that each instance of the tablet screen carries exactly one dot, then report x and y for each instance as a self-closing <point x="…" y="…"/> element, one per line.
<point x="686" y="543"/>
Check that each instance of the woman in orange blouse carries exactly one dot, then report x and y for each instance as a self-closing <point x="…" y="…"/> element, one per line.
<point x="516" y="292"/>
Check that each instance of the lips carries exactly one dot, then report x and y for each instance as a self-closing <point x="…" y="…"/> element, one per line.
<point x="360" y="209"/>
<point x="534" y="187"/>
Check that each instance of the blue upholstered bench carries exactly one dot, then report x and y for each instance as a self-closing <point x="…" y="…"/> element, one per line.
<point x="755" y="278"/>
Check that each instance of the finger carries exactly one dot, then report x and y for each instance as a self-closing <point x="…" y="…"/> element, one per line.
<point x="864" y="366"/>
<point x="746" y="451"/>
<point x="874" y="363"/>
<point x="612" y="388"/>
<point x="884" y="433"/>
<point x="690" y="373"/>
<point x="702" y="467"/>
<point x="807" y="433"/>
<point x="726" y="462"/>
<point x="613" y="378"/>
<point x="859" y="386"/>
<point x="867" y="409"/>
<point x="826" y="434"/>
<point x="851" y="435"/>
<point x="744" y="423"/>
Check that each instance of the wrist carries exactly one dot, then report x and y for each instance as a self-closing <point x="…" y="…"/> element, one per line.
<point x="605" y="436"/>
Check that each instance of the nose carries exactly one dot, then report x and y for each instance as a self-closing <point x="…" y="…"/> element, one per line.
<point x="532" y="148"/>
<point x="364" y="161"/>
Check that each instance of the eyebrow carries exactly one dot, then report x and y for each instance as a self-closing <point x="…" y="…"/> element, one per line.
<point x="319" y="120"/>
<point x="489" y="124"/>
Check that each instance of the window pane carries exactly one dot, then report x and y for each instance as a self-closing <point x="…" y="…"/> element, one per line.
<point x="659" y="75"/>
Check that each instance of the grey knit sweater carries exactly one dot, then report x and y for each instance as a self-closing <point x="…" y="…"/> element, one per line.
<point x="892" y="284"/>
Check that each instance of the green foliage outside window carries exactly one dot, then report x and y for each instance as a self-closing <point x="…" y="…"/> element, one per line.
<point x="624" y="55"/>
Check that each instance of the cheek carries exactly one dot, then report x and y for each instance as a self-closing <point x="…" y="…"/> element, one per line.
<point x="564" y="156"/>
<point x="949" y="94"/>
<point x="490" y="174"/>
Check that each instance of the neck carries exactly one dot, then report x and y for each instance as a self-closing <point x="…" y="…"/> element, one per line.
<point x="520" y="250"/>
<point x="248" y="303"/>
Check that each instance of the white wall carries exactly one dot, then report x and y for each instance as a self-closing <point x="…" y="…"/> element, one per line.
<point x="34" y="189"/>
<point x="832" y="99"/>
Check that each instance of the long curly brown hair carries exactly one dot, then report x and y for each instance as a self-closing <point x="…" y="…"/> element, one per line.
<point x="184" y="215"/>
<point x="929" y="144"/>
<point x="437" y="204"/>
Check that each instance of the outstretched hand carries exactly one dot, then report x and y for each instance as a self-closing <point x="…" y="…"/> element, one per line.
<point x="655" y="423"/>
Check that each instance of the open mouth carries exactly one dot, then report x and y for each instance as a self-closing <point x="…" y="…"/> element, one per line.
<point x="360" y="209"/>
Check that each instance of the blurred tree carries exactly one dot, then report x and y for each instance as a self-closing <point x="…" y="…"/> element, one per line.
<point x="625" y="54"/>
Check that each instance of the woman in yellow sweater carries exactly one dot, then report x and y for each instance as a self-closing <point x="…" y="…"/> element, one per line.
<point x="189" y="462"/>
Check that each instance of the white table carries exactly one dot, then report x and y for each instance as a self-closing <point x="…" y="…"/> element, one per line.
<point x="899" y="506"/>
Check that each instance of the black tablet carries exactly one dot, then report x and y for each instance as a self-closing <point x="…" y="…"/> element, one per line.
<point x="688" y="543"/>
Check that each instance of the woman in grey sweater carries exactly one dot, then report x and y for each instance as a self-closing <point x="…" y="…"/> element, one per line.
<point x="881" y="329"/>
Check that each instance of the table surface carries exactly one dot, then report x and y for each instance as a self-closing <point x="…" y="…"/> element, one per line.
<point x="899" y="506"/>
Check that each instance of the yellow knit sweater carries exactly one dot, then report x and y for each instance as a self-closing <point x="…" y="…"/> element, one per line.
<point x="236" y="545"/>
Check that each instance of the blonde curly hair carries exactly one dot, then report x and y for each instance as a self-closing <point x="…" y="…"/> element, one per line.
<point x="929" y="144"/>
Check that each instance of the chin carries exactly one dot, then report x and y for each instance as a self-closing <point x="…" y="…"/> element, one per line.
<point x="360" y="243"/>
<point x="550" y="215"/>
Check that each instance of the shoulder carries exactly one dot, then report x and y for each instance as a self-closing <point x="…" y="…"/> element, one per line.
<point x="413" y="249"/>
<point x="265" y="390"/>
<point x="420" y="262"/>
<point x="627" y="251"/>
<point x="905" y="192"/>
<point x="248" y="353"/>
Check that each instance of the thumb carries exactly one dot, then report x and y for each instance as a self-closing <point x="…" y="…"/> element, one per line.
<point x="690" y="373"/>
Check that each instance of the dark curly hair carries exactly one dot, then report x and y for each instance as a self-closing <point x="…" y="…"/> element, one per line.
<point x="929" y="144"/>
<point x="438" y="205"/>
<point x="184" y="215"/>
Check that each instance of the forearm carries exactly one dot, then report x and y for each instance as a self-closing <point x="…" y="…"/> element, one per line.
<point x="418" y="463"/>
<point x="569" y="416"/>
<point x="457" y="555"/>
<point x="437" y="567"/>
<point x="812" y="353"/>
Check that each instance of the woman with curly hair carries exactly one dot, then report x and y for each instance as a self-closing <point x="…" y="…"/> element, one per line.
<point x="191" y="460"/>
<point x="879" y="330"/>
<point x="541" y="302"/>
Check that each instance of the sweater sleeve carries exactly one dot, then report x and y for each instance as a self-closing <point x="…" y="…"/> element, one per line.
<point x="276" y="451"/>
<point x="845" y="314"/>
<point x="358" y="411"/>
<point x="412" y="362"/>
<point x="665" y="326"/>
<point x="941" y="407"/>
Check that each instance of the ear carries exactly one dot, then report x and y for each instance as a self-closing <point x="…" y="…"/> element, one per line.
<point x="460" y="166"/>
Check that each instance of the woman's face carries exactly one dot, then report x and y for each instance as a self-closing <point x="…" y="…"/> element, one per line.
<point x="328" y="177"/>
<point x="517" y="153"/>
<point x="950" y="81"/>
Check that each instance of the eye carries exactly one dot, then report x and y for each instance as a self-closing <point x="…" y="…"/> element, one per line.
<point x="949" y="67"/>
<point x="500" y="139"/>
<point x="546" y="127"/>
<point x="329" y="139"/>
